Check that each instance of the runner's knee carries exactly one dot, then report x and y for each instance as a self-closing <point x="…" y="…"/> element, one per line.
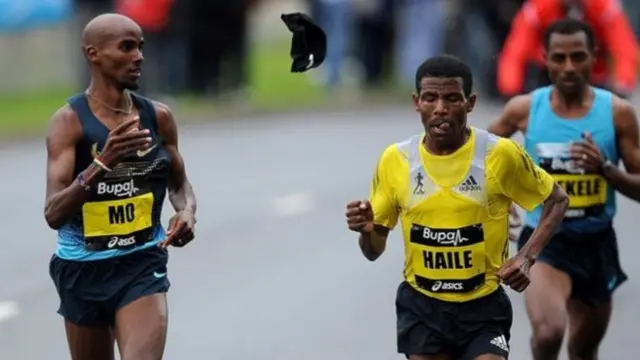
<point x="548" y="334"/>
<point x="149" y="348"/>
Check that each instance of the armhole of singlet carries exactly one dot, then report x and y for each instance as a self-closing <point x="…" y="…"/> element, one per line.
<point x="147" y="107"/>
<point x="534" y="107"/>
<point x="79" y="105"/>
<point x="608" y="100"/>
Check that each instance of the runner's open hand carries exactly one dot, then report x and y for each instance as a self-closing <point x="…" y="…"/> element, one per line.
<point x="123" y="140"/>
<point x="586" y="154"/>
<point x="359" y="216"/>
<point x="515" y="273"/>
<point x="181" y="230"/>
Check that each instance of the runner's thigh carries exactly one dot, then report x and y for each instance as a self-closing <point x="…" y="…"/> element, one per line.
<point x="141" y="317"/>
<point x="90" y="343"/>
<point x="85" y="289"/>
<point x="141" y="328"/>
<point x="551" y="286"/>
<point x="546" y="300"/>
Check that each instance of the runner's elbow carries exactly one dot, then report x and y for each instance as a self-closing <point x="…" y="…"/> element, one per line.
<point x="559" y="197"/>
<point x="371" y="255"/>
<point x="52" y="217"/>
<point x="52" y="221"/>
<point x="371" y="249"/>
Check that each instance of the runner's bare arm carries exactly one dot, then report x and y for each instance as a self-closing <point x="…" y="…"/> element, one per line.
<point x="553" y="211"/>
<point x="375" y="218"/>
<point x="373" y="244"/>
<point x="64" y="195"/>
<point x="513" y="118"/>
<point x="528" y="185"/>
<point x="181" y="193"/>
<point x="626" y="124"/>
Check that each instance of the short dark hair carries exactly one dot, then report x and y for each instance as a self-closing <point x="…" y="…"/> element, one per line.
<point x="446" y="66"/>
<point x="569" y="26"/>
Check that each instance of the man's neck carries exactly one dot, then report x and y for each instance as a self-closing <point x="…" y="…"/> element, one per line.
<point x="109" y="95"/>
<point x="574" y="101"/>
<point x="439" y="149"/>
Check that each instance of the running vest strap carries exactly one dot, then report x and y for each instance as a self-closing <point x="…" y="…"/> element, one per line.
<point x="448" y="260"/>
<point x="591" y="200"/>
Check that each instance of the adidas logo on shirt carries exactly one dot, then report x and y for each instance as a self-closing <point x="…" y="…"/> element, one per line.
<point x="500" y="342"/>
<point x="469" y="184"/>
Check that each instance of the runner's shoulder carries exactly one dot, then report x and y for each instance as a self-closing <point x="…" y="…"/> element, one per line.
<point x="161" y="108"/>
<point x="518" y="106"/>
<point x="396" y="153"/>
<point x="65" y="123"/>
<point x="164" y="116"/>
<point x="390" y="155"/>
<point x="505" y="150"/>
<point x="400" y="149"/>
<point x="622" y="106"/>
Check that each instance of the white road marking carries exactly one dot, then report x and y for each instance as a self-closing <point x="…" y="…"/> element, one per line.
<point x="293" y="204"/>
<point x="8" y="310"/>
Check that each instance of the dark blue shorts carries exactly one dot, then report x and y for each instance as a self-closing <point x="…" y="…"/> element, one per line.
<point x="591" y="260"/>
<point x="91" y="292"/>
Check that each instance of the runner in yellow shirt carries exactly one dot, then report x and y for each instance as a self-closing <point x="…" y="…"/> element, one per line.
<point x="452" y="187"/>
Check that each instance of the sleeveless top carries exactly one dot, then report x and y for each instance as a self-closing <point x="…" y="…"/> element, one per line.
<point x="122" y="214"/>
<point x="592" y="202"/>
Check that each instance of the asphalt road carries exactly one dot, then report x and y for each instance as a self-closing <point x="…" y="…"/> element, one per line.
<point x="274" y="273"/>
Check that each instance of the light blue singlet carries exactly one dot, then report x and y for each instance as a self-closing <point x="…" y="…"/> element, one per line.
<point x="592" y="202"/>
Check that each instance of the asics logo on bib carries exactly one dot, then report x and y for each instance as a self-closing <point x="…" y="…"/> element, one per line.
<point x="121" y="242"/>
<point x="118" y="189"/>
<point x="447" y="286"/>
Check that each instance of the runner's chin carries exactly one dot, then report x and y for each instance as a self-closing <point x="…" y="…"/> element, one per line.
<point x="132" y="81"/>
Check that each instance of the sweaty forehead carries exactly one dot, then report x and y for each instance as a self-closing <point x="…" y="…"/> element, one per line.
<point x="441" y="84"/>
<point x="568" y="43"/>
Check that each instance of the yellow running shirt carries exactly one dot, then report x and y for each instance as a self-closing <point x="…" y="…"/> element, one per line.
<point x="454" y="210"/>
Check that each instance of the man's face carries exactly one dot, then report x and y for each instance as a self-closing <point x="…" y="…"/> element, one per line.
<point x="120" y="57"/>
<point x="443" y="108"/>
<point x="570" y="61"/>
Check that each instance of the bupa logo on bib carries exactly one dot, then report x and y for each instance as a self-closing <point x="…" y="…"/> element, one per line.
<point x="447" y="286"/>
<point x="443" y="237"/>
<point x="125" y="189"/>
<point x="121" y="242"/>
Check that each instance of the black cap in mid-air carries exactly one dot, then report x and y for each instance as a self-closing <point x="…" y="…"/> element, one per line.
<point x="309" y="43"/>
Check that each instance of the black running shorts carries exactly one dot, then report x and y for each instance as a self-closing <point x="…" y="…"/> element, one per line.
<point x="427" y="326"/>
<point x="91" y="292"/>
<point x="591" y="260"/>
